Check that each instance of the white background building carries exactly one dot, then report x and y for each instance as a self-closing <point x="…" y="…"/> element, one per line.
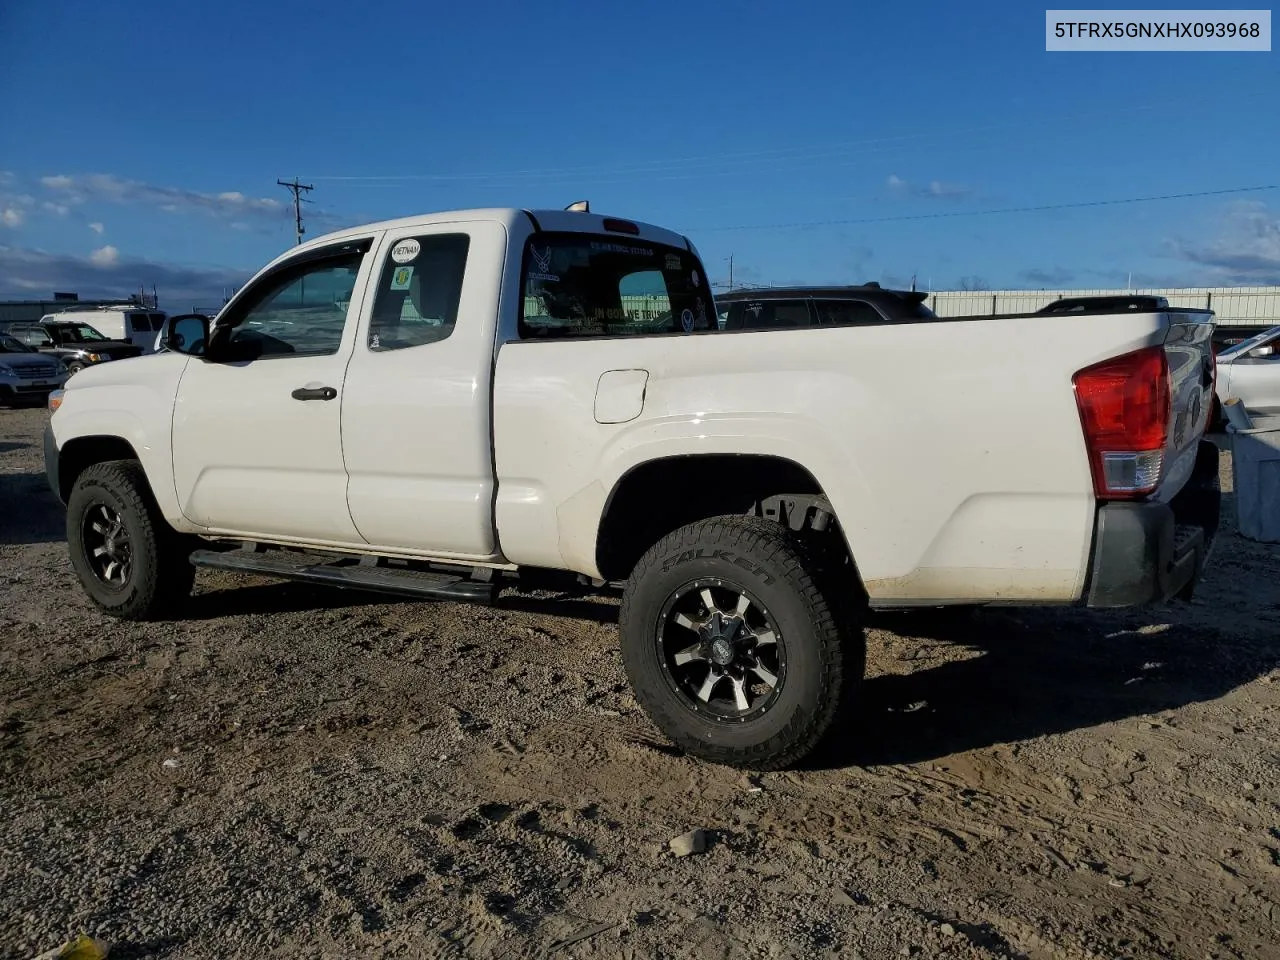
<point x="1233" y="306"/>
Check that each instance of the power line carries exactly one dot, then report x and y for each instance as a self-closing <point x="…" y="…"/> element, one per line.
<point x="984" y="213"/>
<point x="297" y="189"/>
<point x="718" y="162"/>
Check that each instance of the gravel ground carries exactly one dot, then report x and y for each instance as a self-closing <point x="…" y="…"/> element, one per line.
<point x="290" y="772"/>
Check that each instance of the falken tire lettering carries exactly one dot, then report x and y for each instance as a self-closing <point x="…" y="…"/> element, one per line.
<point x="701" y="553"/>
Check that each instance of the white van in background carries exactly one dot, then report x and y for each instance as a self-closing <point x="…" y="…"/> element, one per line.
<point x="135" y="325"/>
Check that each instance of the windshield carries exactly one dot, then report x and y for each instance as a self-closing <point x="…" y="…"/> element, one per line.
<point x="75" y="333"/>
<point x="579" y="285"/>
<point x="9" y="344"/>
<point x="1244" y="346"/>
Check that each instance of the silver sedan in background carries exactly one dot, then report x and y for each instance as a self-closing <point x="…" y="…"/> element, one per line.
<point x="1250" y="370"/>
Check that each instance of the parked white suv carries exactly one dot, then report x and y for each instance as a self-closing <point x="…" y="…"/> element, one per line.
<point x="439" y="405"/>
<point x="130" y="325"/>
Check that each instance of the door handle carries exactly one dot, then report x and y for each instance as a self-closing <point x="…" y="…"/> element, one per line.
<point x="314" y="393"/>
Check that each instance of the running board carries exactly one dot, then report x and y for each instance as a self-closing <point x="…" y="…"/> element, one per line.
<point x="346" y="575"/>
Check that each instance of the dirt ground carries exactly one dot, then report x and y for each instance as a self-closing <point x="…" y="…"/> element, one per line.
<point x="293" y="772"/>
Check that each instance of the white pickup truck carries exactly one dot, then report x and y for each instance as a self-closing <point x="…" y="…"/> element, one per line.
<point x="438" y="405"/>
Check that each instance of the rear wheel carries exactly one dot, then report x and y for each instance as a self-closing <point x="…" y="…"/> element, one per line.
<point x="131" y="563"/>
<point x="731" y="646"/>
<point x="74" y="368"/>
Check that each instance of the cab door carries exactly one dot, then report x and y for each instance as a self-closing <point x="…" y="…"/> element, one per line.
<point x="257" y="431"/>
<point x="416" y="408"/>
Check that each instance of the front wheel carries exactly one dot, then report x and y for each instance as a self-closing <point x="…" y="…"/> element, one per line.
<point x="730" y="645"/>
<point x="132" y="564"/>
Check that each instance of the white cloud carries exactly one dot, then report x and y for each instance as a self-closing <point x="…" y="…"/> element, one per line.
<point x="937" y="188"/>
<point x="108" y="187"/>
<point x="934" y="189"/>
<point x="97" y="228"/>
<point x="1246" y="250"/>
<point x="24" y="272"/>
<point x="107" y="256"/>
<point x="60" y="209"/>
<point x="12" y="217"/>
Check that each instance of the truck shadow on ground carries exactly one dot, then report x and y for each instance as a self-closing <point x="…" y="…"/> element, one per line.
<point x="960" y="681"/>
<point x="40" y="518"/>
<point x="270" y="597"/>
<point x="1035" y="673"/>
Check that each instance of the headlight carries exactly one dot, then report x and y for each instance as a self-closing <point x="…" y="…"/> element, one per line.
<point x="55" y="399"/>
<point x="6" y="370"/>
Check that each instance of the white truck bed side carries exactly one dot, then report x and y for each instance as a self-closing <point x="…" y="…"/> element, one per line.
<point x="951" y="451"/>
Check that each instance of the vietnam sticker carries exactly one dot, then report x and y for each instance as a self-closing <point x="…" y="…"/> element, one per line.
<point x="694" y="277"/>
<point x="686" y="320"/>
<point x="406" y="251"/>
<point x="400" y="279"/>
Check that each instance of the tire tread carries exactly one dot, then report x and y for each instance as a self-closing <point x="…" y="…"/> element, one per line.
<point x="768" y="543"/>
<point x="166" y="577"/>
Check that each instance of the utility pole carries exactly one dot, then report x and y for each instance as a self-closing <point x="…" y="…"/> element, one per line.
<point x="731" y="272"/>
<point x="297" y="189"/>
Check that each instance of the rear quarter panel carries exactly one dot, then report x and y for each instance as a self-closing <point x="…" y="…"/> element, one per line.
<point x="952" y="452"/>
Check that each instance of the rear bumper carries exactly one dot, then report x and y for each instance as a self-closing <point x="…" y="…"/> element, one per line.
<point x="1152" y="552"/>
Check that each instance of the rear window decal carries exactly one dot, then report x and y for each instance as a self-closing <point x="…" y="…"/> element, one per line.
<point x="542" y="266"/>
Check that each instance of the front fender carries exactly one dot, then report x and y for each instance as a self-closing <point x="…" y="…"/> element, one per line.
<point x="134" y="405"/>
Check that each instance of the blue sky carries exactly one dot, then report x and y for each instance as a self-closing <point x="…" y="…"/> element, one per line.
<point x="142" y="142"/>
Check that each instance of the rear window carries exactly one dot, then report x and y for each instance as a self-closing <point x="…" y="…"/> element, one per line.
<point x="139" y="321"/>
<point x="580" y="285"/>
<point x="768" y="315"/>
<point x="847" y="313"/>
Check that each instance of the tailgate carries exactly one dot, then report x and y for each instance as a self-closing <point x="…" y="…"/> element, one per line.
<point x="1189" y="351"/>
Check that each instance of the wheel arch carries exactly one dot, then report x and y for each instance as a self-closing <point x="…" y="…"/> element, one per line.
<point x="657" y="496"/>
<point x="80" y="453"/>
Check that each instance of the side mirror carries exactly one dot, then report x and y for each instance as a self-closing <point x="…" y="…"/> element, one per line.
<point x="187" y="333"/>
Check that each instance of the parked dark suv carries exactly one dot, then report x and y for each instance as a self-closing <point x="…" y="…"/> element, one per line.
<point x="782" y="308"/>
<point x="76" y="344"/>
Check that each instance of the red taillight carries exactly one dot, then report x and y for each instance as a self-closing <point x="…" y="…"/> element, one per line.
<point x="1125" y="408"/>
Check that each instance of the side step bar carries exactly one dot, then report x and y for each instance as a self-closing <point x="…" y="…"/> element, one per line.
<point x="348" y="575"/>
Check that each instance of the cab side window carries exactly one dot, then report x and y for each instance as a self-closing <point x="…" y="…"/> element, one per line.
<point x="418" y="292"/>
<point x="302" y="312"/>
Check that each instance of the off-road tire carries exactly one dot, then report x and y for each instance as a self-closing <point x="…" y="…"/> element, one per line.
<point x="824" y="657"/>
<point x="161" y="576"/>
